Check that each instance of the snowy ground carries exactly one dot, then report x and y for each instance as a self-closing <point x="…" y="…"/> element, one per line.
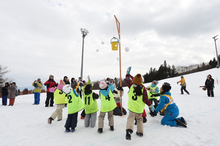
<point x="26" y="124"/>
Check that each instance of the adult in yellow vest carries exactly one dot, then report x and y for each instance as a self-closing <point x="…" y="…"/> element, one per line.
<point x="74" y="104"/>
<point x="136" y="103"/>
<point x="167" y="104"/>
<point x="91" y="106"/>
<point x="59" y="98"/>
<point x="107" y="105"/>
<point x="183" y="85"/>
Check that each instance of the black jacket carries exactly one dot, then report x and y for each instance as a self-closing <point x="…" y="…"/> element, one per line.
<point x="5" y="90"/>
<point x="209" y="83"/>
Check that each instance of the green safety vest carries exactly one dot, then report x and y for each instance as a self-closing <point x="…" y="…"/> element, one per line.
<point x="91" y="105"/>
<point x="59" y="97"/>
<point x="107" y="102"/>
<point x="74" y="103"/>
<point x="135" y="103"/>
<point x="149" y="94"/>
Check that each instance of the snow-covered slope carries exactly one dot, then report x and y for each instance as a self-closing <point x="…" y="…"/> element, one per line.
<point x="26" y="124"/>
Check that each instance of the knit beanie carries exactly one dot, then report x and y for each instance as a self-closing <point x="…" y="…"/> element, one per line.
<point x="137" y="79"/>
<point x="166" y="87"/>
<point x="102" y="85"/>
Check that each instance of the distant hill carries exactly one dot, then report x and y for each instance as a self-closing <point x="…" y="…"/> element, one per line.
<point x="181" y="69"/>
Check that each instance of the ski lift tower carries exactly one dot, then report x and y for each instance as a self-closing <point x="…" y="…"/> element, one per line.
<point x="215" y="38"/>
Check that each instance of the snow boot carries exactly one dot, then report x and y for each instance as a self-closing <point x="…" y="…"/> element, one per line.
<point x="50" y="120"/>
<point x="72" y="130"/>
<point x="128" y="134"/>
<point x="100" y="130"/>
<point x="139" y="134"/>
<point x="180" y="123"/>
<point x="67" y="130"/>
<point x="183" y="120"/>
<point x="112" y="128"/>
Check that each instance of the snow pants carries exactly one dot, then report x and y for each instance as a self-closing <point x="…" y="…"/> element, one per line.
<point x="169" y="118"/>
<point x="110" y="119"/>
<point x="4" y="99"/>
<point x="130" y="121"/>
<point x="210" y="92"/>
<point x="183" y="88"/>
<point x="58" y="112"/>
<point x="49" y="99"/>
<point x="71" y="121"/>
<point x="36" y="98"/>
<point x="90" y="119"/>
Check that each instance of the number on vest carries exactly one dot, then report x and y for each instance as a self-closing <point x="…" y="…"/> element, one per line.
<point x="61" y="92"/>
<point x="69" y="97"/>
<point x="107" y="98"/>
<point x="134" y="97"/>
<point x="88" y="100"/>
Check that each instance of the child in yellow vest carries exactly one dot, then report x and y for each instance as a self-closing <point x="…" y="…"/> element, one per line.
<point x="91" y="106"/>
<point x="59" y="101"/>
<point x="137" y="99"/>
<point x="107" y="105"/>
<point x="74" y="104"/>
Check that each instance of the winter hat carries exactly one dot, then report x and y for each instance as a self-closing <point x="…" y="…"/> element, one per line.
<point x="166" y="87"/>
<point x="155" y="82"/>
<point x="67" y="89"/>
<point x="102" y="85"/>
<point x="137" y="79"/>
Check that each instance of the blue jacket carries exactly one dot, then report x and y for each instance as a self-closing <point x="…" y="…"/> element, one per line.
<point x="106" y="92"/>
<point x="165" y="100"/>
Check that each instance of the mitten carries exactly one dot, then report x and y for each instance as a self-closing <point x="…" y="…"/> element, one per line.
<point x="153" y="114"/>
<point x="129" y="70"/>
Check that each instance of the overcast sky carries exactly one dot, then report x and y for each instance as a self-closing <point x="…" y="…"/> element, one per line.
<point x="42" y="37"/>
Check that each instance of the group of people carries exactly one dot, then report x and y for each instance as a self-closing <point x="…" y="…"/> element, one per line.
<point x="80" y="96"/>
<point x="138" y="96"/>
<point x="209" y="85"/>
<point x="9" y="91"/>
<point x="50" y="83"/>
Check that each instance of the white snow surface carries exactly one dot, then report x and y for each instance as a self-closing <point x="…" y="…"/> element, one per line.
<point x="25" y="124"/>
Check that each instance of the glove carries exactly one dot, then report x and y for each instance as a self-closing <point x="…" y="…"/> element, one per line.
<point x="153" y="114"/>
<point x="129" y="70"/>
<point x="152" y="107"/>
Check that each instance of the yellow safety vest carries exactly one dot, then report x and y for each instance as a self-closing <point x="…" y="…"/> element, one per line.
<point x="59" y="97"/>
